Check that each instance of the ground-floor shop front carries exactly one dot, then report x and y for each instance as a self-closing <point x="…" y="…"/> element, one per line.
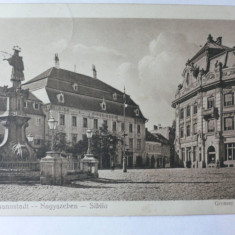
<point x="209" y="151"/>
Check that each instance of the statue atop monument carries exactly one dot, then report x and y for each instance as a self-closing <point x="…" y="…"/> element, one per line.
<point x="17" y="64"/>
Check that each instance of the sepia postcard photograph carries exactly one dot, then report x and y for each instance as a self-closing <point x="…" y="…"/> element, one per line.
<point x="117" y="110"/>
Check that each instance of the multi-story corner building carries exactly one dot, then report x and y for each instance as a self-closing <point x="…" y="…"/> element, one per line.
<point x="204" y="107"/>
<point x="157" y="151"/>
<point x="80" y="102"/>
<point x="168" y="133"/>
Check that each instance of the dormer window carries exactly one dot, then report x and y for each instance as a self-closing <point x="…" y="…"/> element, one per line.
<point x="103" y="105"/>
<point x="60" y="98"/>
<point x="75" y="86"/>
<point x="137" y="112"/>
<point x="114" y="96"/>
<point x="36" y="106"/>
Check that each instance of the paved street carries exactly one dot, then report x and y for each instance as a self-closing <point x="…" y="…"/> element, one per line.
<point x="152" y="184"/>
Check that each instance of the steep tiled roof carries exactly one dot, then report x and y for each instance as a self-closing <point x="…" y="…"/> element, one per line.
<point x="89" y="93"/>
<point x="212" y="47"/>
<point x="155" y="138"/>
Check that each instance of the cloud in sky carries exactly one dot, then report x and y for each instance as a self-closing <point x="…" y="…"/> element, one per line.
<point x="153" y="81"/>
<point x="97" y="51"/>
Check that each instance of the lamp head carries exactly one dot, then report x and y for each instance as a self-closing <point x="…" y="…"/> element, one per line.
<point x="89" y="134"/>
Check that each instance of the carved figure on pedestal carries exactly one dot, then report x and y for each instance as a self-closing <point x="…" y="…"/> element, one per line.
<point x="16" y="62"/>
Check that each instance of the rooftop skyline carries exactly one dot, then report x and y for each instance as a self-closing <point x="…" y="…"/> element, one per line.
<point x="147" y="56"/>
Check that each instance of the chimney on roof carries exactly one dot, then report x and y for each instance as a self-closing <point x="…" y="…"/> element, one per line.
<point x="94" y="71"/>
<point x="219" y="40"/>
<point x="57" y="61"/>
<point x="155" y="127"/>
<point x="160" y="126"/>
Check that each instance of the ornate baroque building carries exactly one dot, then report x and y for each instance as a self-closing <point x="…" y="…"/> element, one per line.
<point x="80" y="102"/>
<point x="204" y="108"/>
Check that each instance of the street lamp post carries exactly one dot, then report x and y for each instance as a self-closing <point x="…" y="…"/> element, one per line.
<point x="124" y="134"/>
<point x="52" y="123"/>
<point x="30" y="137"/>
<point x="89" y="136"/>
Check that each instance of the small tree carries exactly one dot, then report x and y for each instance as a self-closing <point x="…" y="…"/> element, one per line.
<point x="105" y="146"/>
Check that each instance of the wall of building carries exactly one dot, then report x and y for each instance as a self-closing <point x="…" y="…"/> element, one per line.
<point x="80" y="130"/>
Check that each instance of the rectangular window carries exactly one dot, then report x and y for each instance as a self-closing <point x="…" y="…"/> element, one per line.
<point x="74" y="138"/>
<point x="36" y="105"/>
<point x="25" y="104"/>
<point x="181" y="113"/>
<point x="229" y="123"/>
<point x="62" y="119"/>
<point x="95" y="123"/>
<point x="194" y="153"/>
<point x="131" y="144"/>
<point x="114" y="126"/>
<point x="37" y="141"/>
<point x="181" y="132"/>
<point x="38" y="121"/>
<point x="228" y="99"/>
<point x="188" y="130"/>
<point x="106" y="123"/>
<point x="211" y="125"/>
<point x="183" y="154"/>
<point x="122" y="126"/>
<point x="85" y="122"/>
<point x="74" y="121"/>
<point x="188" y="111"/>
<point x="195" y="128"/>
<point x="229" y="152"/>
<point x="138" y="129"/>
<point x="130" y="128"/>
<point x="210" y="102"/>
<point x="138" y="144"/>
<point x="195" y="109"/>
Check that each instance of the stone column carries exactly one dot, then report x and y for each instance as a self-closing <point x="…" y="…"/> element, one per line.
<point x="52" y="169"/>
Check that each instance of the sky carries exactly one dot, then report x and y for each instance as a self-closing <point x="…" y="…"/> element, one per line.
<point x="147" y="56"/>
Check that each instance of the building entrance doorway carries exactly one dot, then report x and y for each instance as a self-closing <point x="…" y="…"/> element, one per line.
<point x="152" y="162"/>
<point x="211" y="154"/>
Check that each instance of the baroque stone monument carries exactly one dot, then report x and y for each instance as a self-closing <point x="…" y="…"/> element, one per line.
<point x="15" y="146"/>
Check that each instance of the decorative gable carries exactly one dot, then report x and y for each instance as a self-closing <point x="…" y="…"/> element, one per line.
<point x="60" y="98"/>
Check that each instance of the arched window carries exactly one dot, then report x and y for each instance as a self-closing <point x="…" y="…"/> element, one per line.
<point x="187" y="79"/>
<point x="75" y="86"/>
<point x="60" y="98"/>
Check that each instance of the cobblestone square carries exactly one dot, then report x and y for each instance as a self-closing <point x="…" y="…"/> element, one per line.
<point x="148" y="184"/>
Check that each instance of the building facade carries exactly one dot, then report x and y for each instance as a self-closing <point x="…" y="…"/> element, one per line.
<point x="157" y="151"/>
<point x="80" y="102"/>
<point x="204" y="108"/>
<point x="169" y="134"/>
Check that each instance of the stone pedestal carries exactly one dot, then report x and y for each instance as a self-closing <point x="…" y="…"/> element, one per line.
<point x="52" y="170"/>
<point x="89" y="165"/>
